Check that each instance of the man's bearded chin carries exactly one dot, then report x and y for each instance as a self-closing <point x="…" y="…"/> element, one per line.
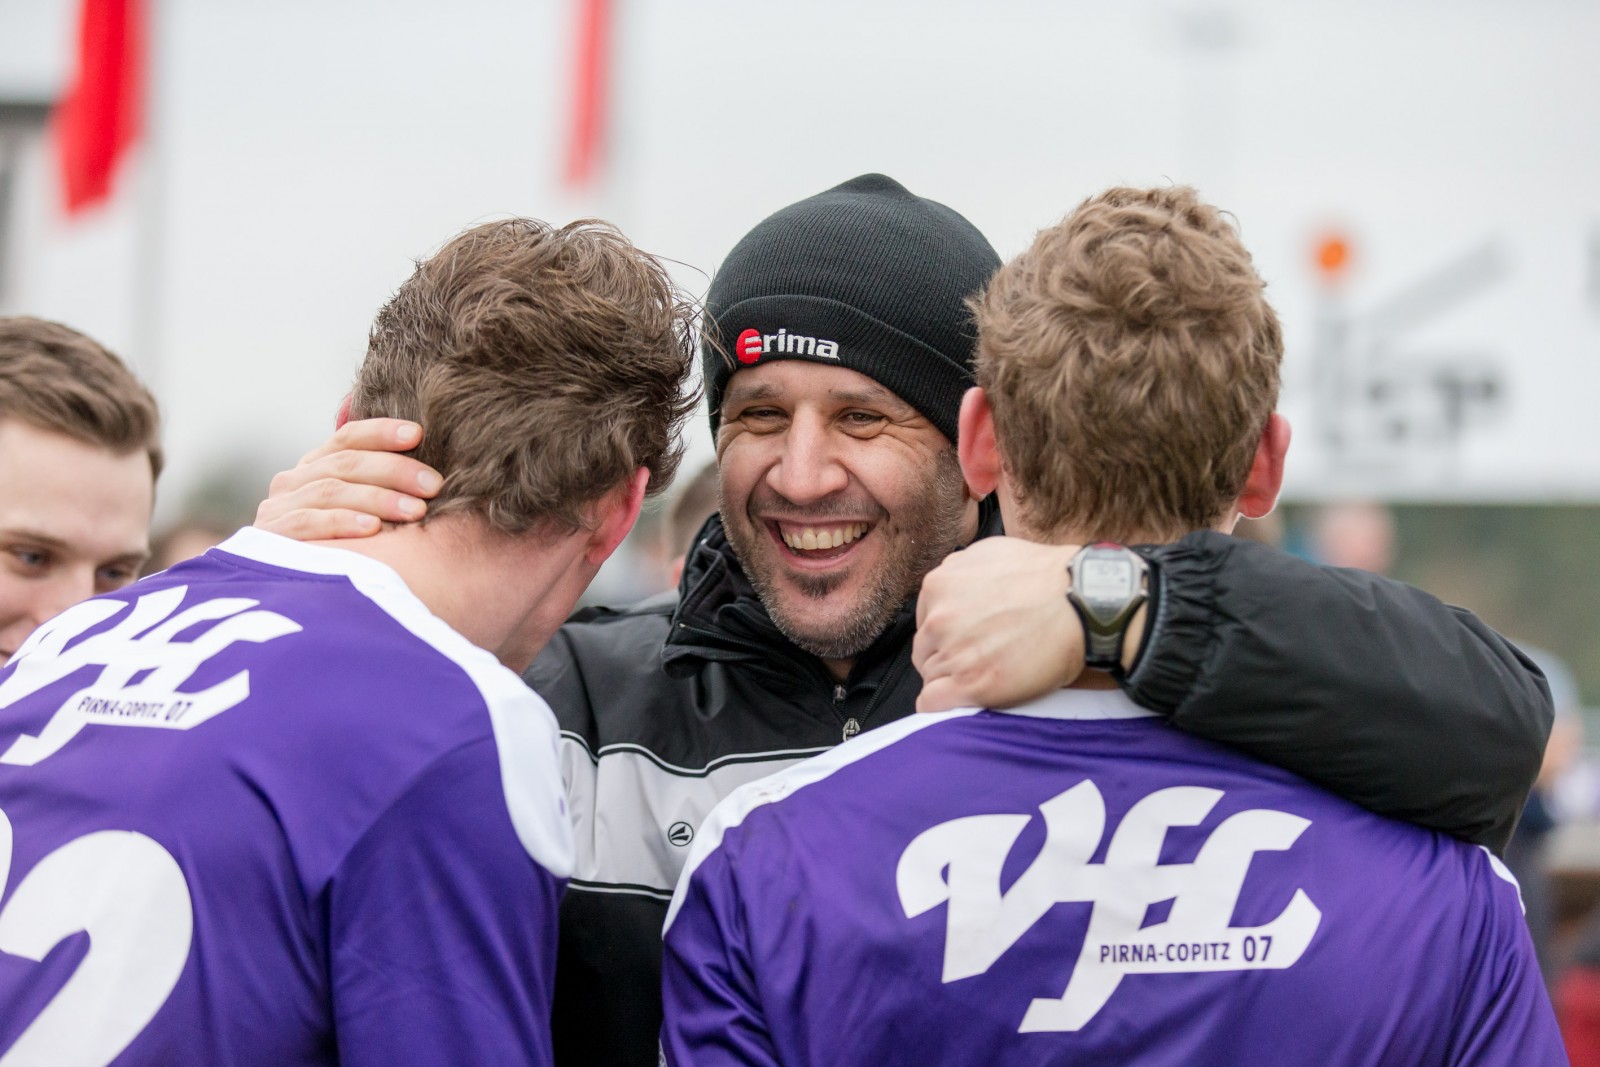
<point x="916" y="539"/>
<point x="843" y="638"/>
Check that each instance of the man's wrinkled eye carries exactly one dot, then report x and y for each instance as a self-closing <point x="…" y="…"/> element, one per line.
<point x="863" y="420"/>
<point x="760" y="416"/>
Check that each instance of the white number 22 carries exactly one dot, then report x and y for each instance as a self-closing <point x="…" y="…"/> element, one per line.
<point x="129" y="895"/>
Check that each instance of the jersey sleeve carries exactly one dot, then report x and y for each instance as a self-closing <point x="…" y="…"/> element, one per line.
<point x="1369" y="687"/>
<point x="713" y="1013"/>
<point x="442" y="928"/>
<point x="1504" y="1017"/>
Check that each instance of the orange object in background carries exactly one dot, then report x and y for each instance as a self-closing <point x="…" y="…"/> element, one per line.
<point x="1333" y="256"/>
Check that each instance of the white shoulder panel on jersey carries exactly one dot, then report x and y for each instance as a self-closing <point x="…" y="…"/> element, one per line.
<point x="525" y="730"/>
<point x="1497" y="865"/>
<point x="1082" y="704"/>
<point x="635" y="814"/>
<point x="738" y="806"/>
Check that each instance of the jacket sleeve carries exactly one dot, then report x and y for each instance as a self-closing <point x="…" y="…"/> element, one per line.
<point x="1366" y="686"/>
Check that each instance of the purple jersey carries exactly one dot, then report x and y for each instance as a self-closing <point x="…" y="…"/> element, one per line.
<point x="265" y="809"/>
<point x="1078" y="883"/>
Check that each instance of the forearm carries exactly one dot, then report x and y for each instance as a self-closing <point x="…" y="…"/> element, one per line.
<point x="1369" y="687"/>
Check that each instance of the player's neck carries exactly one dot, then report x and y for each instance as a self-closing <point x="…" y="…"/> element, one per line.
<point x="505" y="594"/>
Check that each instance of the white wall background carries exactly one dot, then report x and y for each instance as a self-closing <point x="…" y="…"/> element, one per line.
<point x="304" y="152"/>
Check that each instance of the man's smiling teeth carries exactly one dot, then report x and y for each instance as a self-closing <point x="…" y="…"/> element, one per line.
<point x="813" y="537"/>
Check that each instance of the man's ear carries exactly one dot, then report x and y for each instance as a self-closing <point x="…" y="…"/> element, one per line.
<point x="1266" y="470"/>
<point x="617" y="511"/>
<point x="344" y="413"/>
<point x="976" y="446"/>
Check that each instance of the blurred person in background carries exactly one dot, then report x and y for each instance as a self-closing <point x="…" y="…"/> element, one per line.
<point x="1353" y="533"/>
<point x="295" y="794"/>
<point x="80" y="453"/>
<point x="693" y="504"/>
<point x="185" y="539"/>
<point x="837" y="349"/>
<point x="1076" y="881"/>
<point x="1528" y="854"/>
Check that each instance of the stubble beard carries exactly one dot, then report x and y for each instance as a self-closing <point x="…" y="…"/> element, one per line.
<point x="919" y="537"/>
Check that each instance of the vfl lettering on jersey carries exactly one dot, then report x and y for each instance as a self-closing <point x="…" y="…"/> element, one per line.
<point x="959" y="863"/>
<point x="142" y="643"/>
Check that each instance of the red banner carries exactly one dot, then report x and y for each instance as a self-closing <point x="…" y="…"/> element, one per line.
<point x="103" y="111"/>
<point x="591" y="78"/>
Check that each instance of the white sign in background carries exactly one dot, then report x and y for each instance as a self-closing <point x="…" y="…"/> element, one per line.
<point x="1466" y="367"/>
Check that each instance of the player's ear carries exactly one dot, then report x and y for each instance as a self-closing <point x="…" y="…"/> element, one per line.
<point x="615" y="513"/>
<point x="976" y="446"/>
<point x="1266" y="470"/>
<point x="344" y="413"/>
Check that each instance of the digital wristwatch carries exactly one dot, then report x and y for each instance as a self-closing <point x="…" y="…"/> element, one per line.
<point x="1109" y="583"/>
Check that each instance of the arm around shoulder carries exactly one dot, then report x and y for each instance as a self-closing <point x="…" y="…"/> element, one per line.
<point x="1367" y="686"/>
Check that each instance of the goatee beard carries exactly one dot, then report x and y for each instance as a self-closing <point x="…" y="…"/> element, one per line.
<point x="919" y="537"/>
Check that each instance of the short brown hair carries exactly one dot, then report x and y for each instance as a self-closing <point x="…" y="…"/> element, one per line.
<point x="54" y="378"/>
<point x="1131" y="363"/>
<point x="545" y="365"/>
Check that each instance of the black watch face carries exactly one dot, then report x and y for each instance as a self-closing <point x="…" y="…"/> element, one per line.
<point x="1106" y="585"/>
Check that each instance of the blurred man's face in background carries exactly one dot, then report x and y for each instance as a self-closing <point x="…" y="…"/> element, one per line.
<point x="74" y="521"/>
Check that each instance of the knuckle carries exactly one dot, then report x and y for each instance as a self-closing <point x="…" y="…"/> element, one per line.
<point x="343" y="464"/>
<point x="325" y="492"/>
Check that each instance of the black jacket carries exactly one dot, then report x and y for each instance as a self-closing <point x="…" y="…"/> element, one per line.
<point x="1368" y="687"/>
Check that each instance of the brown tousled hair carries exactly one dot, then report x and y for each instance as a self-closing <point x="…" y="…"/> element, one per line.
<point x="1131" y="362"/>
<point x="545" y="365"/>
<point x="54" y="378"/>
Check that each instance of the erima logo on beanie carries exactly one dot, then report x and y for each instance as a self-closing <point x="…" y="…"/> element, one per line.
<point x="867" y="276"/>
<point x="753" y="344"/>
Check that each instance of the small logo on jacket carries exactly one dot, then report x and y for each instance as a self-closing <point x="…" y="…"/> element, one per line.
<point x="680" y="833"/>
<point x="753" y="344"/>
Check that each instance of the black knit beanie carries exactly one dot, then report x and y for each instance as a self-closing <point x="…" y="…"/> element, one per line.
<point x="866" y="276"/>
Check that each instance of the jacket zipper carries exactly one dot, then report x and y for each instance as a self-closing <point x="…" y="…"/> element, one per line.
<point x="851" y="726"/>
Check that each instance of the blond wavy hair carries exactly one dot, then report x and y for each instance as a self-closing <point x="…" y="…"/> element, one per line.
<point x="1131" y="362"/>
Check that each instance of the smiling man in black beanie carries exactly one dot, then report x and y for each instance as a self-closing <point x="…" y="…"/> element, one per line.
<point x="837" y="346"/>
<point x="837" y="349"/>
<point x="843" y="317"/>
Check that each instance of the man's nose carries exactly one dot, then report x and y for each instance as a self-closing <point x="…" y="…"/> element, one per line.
<point x="811" y="466"/>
